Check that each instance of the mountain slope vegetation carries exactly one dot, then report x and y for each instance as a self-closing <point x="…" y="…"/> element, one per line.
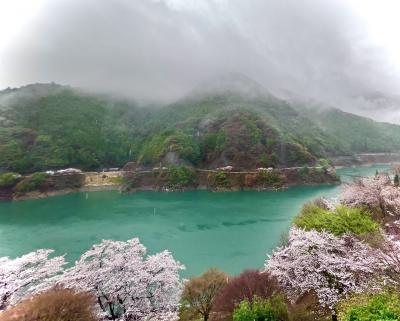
<point x="45" y="126"/>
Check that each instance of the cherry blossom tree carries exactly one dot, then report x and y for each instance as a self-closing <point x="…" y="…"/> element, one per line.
<point x="324" y="264"/>
<point x="380" y="192"/>
<point x="127" y="284"/>
<point x="325" y="203"/>
<point x="389" y="255"/>
<point x="24" y="275"/>
<point x="373" y="192"/>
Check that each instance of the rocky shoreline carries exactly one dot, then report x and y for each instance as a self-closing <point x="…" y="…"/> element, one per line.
<point x="75" y="183"/>
<point x="45" y="194"/>
<point x="160" y="181"/>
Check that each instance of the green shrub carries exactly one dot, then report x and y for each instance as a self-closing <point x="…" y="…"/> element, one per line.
<point x="221" y="179"/>
<point x="344" y="220"/>
<point x="269" y="177"/>
<point x="396" y="180"/>
<point x="118" y="180"/>
<point x="384" y="306"/>
<point x="31" y="183"/>
<point x="324" y="163"/>
<point x="270" y="142"/>
<point x="9" y="179"/>
<point x="304" y="171"/>
<point x="180" y="176"/>
<point x="267" y="160"/>
<point x="272" y="309"/>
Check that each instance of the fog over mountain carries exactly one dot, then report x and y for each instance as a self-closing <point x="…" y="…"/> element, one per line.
<point x="159" y="50"/>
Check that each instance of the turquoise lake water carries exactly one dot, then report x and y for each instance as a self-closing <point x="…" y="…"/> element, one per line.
<point x="231" y="231"/>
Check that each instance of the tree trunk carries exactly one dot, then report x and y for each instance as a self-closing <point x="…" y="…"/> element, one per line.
<point x="205" y="316"/>
<point x="334" y="317"/>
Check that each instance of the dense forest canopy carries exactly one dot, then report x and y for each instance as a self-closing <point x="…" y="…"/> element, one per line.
<point x="48" y="126"/>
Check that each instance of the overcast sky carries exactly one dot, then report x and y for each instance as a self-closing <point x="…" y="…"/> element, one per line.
<point x="160" y="49"/>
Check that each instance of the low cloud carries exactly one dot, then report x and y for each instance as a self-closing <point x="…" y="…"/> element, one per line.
<point x="160" y="49"/>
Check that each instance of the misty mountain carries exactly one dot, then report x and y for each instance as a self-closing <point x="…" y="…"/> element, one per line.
<point x="376" y="105"/>
<point x="231" y="84"/>
<point x="230" y="120"/>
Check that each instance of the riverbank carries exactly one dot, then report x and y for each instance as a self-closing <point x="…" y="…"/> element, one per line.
<point x="169" y="180"/>
<point x="161" y="180"/>
<point x="72" y="183"/>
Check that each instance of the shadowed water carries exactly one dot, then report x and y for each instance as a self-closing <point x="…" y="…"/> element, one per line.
<point x="231" y="231"/>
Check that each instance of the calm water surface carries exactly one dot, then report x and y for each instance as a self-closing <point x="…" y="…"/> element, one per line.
<point x="231" y="231"/>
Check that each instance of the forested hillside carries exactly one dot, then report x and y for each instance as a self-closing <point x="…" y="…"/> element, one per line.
<point x="355" y="133"/>
<point x="45" y="126"/>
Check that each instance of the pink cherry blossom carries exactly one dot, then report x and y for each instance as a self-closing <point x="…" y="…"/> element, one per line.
<point x="373" y="192"/>
<point x="127" y="284"/>
<point x="24" y="275"/>
<point x="329" y="266"/>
